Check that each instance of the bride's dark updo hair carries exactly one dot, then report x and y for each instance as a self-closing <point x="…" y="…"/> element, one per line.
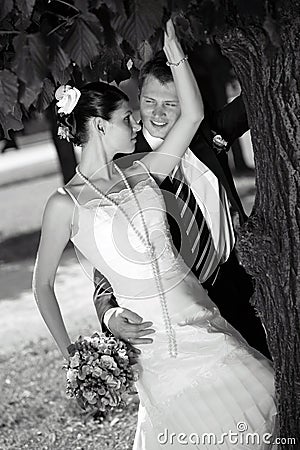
<point x="96" y="100"/>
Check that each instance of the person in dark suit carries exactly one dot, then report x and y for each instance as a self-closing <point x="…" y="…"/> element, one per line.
<point x="199" y="196"/>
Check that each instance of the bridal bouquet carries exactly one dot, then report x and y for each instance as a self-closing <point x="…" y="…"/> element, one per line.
<point x="99" y="373"/>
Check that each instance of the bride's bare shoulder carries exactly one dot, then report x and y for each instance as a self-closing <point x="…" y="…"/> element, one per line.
<point x="59" y="205"/>
<point x="56" y="223"/>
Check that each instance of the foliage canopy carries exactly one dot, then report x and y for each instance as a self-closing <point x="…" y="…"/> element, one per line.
<point x="46" y="43"/>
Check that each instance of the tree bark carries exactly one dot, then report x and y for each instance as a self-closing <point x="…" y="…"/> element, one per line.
<point x="270" y="241"/>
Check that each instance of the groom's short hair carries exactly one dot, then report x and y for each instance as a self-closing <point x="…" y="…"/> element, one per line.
<point x="157" y="68"/>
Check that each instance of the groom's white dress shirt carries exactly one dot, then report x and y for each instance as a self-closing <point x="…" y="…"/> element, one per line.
<point x="211" y="198"/>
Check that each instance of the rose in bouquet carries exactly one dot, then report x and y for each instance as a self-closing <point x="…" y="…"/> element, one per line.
<point x="100" y="374"/>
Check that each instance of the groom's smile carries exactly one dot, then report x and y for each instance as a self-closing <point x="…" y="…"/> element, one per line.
<point x="155" y="123"/>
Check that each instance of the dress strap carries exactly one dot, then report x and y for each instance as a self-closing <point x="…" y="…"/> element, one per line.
<point x="138" y="161"/>
<point x="71" y="195"/>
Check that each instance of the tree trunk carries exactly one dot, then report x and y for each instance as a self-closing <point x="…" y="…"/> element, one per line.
<point x="66" y="156"/>
<point x="270" y="241"/>
<point x="65" y="149"/>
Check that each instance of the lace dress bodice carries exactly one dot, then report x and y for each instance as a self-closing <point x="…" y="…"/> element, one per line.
<point x="104" y="236"/>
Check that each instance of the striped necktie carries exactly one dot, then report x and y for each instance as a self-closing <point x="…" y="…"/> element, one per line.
<point x="200" y="238"/>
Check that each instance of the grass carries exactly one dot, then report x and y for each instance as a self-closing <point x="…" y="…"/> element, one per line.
<point x="35" y="413"/>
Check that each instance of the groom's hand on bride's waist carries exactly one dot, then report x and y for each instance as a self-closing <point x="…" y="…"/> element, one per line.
<point x="129" y="326"/>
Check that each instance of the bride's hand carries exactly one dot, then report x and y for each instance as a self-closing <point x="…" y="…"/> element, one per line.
<point x="170" y="33"/>
<point x="172" y="47"/>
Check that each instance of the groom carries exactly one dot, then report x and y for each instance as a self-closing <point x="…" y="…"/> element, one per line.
<point x="198" y="210"/>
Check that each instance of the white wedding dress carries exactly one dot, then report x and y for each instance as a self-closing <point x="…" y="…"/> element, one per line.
<point x="217" y="384"/>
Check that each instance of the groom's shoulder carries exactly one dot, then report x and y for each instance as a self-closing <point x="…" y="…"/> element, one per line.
<point x="141" y="143"/>
<point x="203" y="133"/>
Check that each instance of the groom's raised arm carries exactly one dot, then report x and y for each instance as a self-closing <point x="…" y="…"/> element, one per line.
<point x="230" y="122"/>
<point x="103" y="297"/>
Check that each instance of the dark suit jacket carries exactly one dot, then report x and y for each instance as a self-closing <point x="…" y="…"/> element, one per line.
<point x="230" y="122"/>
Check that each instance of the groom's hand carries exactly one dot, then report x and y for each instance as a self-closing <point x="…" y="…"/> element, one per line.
<point x="129" y="326"/>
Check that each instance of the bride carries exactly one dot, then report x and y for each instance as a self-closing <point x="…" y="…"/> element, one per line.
<point x="199" y="380"/>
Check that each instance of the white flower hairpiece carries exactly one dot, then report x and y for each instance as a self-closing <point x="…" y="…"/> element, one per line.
<point x="63" y="132"/>
<point x="67" y="97"/>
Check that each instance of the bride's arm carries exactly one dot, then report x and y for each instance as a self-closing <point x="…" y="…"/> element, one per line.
<point x="161" y="161"/>
<point x="54" y="237"/>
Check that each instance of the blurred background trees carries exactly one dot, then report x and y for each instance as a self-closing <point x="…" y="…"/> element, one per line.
<point x="46" y="43"/>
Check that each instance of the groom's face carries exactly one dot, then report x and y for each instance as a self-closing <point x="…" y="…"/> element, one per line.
<point x="159" y="106"/>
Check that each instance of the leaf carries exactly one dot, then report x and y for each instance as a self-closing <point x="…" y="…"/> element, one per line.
<point x="26" y="7"/>
<point x="80" y="43"/>
<point x="65" y="75"/>
<point x="184" y="30"/>
<point x="109" y="66"/>
<point x="60" y="66"/>
<point x="11" y="121"/>
<point x="90" y="18"/>
<point x="82" y="5"/>
<point x="17" y="113"/>
<point x="95" y="26"/>
<point x="156" y="41"/>
<point x="39" y="53"/>
<point x="46" y="96"/>
<point x="145" y="51"/>
<point x="95" y="4"/>
<point x="8" y="91"/>
<point x="144" y="54"/>
<point x="116" y="6"/>
<point x="6" y="7"/>
<point x="30" y="62"/>
<point x="144" y="17"/>
<point x="29" y="93"/>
